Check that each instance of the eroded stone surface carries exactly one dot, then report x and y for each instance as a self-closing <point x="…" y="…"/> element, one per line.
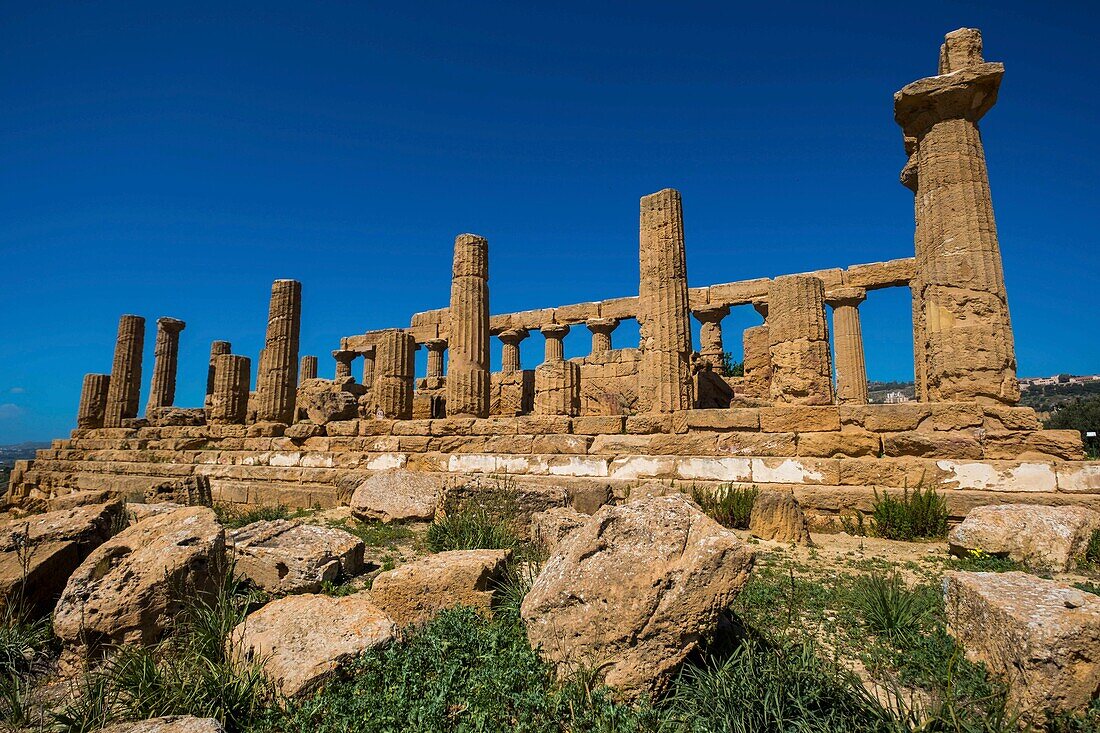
<point x="777" y="516"/>
<point x="168" y="724"/>
<point x="412" y="593"/>
<point x="291" y="557"/>
<point x="395" y="496"/>
<point x="1040" y="537"/>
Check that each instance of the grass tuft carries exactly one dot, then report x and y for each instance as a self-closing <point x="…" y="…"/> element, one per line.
<point x="472" y="529"/>
<point x="889" y="608"/>
<point x="728" y="505"/>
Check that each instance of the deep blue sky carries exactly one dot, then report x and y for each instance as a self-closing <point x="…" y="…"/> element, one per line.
<point x="174" y="160"/>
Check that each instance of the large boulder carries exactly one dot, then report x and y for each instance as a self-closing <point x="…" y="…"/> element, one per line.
<point x="323" y="401"/>
<point x="635" y="590"/>
<point x="394" y="496"/>
<point x="550" y="527"/>
<point x="291" y="557"/>
<point x="130" y="588"/>
<point x="777" y="516"/>
<point x="300" y="641"/>
<point x="1044" y="538"/>
<point x="80" y="498"/>
<point x="1041" y="636"/>
<point x="38" y="553"/>
<point x="168" y="724"/>
<point x="414" y="592"/>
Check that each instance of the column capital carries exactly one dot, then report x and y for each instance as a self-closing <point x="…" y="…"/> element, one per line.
<point x="760" y="305"/>
<point x="602" y="325"/>
<point x="344" y="355"/>
<point x="513" y="336"/>
<point x="846" y="296"/>
<point x="171" y="325"/>
<point x="367" y="352"/>
<point x="554" y="330"/>
<point x="966" y="93"/>
<point x="436" y="344"/>
<point x="711" y="313"/>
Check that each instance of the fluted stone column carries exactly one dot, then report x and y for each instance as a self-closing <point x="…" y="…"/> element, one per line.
<point x="665" y="381"/>
<point x="307" y="368"/>
<point x="851" y="369"/>
<point x="344" y="359"/>
<point x="217" y="348"/>
<point x="468" y="333"/>
<point x="757" y="361"/>
<point x="166" y="350"/>
<point x="232" y="378"/>
<point x="124" y="390"/>
<point x="968" y="349"/>
<point x="392" y="394"/>
<point x="601" y="329"/>
<point x="368" y="367"/>
<point x="510" y="354"/>
<point x="435" y="347"/>
<point x="277" y="377"/>
<point x="558" y="388"/>
<point x="93" y="400"/>
<point x="554" y="349"/>
<point x="711" y="349"/>
<point x="799" y="334"/>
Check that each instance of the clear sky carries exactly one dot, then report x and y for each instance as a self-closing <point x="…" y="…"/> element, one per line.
<point x="172" y="159"/>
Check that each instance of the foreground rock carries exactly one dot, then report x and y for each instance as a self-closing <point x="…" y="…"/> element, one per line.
<point x="415" y="591"/>
<point x="550" y="527"/>
<point x="141" y="512"/>
<point x="80" y="498"/>
<point x="291" y="557"/>
<point x="635" y="590"/>
<point x="395" y="496"/>
<point x="1048" y="538"/>
<point x="1041" y="636"/>
<point x="300" y="641"/>
<point x="131" y="587"/>
<point x="40" y="552"/>
<point x="168" y="724"/>
<point x="777" y="516"/>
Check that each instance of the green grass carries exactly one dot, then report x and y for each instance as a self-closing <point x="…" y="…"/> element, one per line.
<point x="472" y="529"/>
<point x="977" y="561"/>
<point x="916" y="515"/>
<point x="889" y="608"/>
<point x="1092" y="551"/>
<point x="376" y="534"/>
<point x="728" y="505"/>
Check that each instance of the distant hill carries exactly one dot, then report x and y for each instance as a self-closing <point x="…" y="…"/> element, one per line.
<point x="877" y="391"/>
<point x="9" y="454"/>
<point x="1045" y="398"/>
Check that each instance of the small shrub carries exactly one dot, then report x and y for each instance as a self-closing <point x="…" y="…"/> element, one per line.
<point x="376" y="534"/>
<point x="917" y="515"/>
<point x="24" y="644"/>
<point x="728" y="505"/>
<point x="855" y="523"/>
<point x="470" y="530"/>
<point x="233" y="517"/>
<point x="1092" y="551"/>
<point x="889" y="608"/>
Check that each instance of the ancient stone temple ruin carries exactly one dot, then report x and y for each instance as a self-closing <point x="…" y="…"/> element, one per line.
<point x="272" y="430"/>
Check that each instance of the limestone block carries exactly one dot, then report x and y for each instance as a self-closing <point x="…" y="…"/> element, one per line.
<point x="557" y="388"/>
<point x="745" y="418"/>
<point x="621" y="444"/>
<point x="1042" y="538"/>
<point x="997" y="475"/>
<point x="799" y="418"/>
<point x="414" y="592"/>
<point x="938" y="444"/>
<point x="885" y="418"/>
<point x="286" y="557"/>
<point x="1079" y="476"/>
<point x="795" y="471"/>
<point x="322" y="401"/>
<point x="599" y="425"/>
<point x="543" y="424"/>
<point x="694" y="444"/>
<point x="391" y="496"/>
<point x="836" y="444"/>
<point x="550" y="527"/>
<point x="893" y="472"/>
<point x="953" y="416"/>
<point x="1002" y="417"/>
<point x="777" y="516"/>
<point x="697" y="468"/>
<point x="168" y="724"/>
<point x="549" y="444"/>
<point x="757" y="444"/>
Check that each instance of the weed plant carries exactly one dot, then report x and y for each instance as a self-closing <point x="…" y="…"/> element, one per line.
<point x="728" y="505"/>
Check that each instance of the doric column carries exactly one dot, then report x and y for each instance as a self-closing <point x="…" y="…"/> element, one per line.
<point x="229" y="401"/>
<point x="601" y="329"/>
<point x="277" y="377"/>
<point x="710" y="333"/>
<point x="554" y="350"/>
<point x="964" y="326"/>
<point x="124" y="390"/>
<point x="799" y="334"/>
<point x="468" y="332"/>
<point x="665" y="383"/>
<point x="307" y="368"/>
<point x="217" y="348"/>
<point x="851" y="370"/>
<point x="558" y="388"/>
<point x="344" y="359"/>
<point x="166" y="351"/>
<point x="758" y="361"/>
<point x="435" y="347"/>
<point x="510" y="353"/>
<point x="368" y="366"/>
<point x="392" y="394"/>
<point x="93" y="400"/>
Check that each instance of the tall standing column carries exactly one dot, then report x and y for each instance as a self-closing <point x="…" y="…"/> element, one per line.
<point x="601" y="329"/>
<point x="392" y="394"/>
<point x="756" y="343"/>
<point x="217" y="348"/>
<point x="277" y="376"/>
<point x="799" y="333"/>
<point x="851" y="369"/>
<point x="435" y="347"/>
<point x="344" y="358"/>
<point x="93" y="401"/>
<point x="554" y="349"/>
<point x="232" y="378"/>
<point x="711" y="349"/>
<point x="124" y="390"/>
<point x="968" y="348"/>
<point x="510" y="354"/>
<point x="307" y="368"/>
<point x="665" y="380"/>
<point x="468" y="333"/>
<point x="166" y="350"/>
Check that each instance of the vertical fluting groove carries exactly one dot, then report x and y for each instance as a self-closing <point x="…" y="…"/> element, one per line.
<point x="217" y="348"/>
<point x="93" y="400"/>
<point x="799" y="334"/>
<point x="665" y="379"/>
<point x="368" y="368"/>
<point x="162" y="391"/>
<point x="307" y="368"/>
<point x="468" y="336"/>
<point x="277" y="376"/>
<point x="232" y="378"/>
<point x="757" y="361"/>
<point x="851" y="368"/>
<point x="510" y="357"/>
<point x="124" y="391"/>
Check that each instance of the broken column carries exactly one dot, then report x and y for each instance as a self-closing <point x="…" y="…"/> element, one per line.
<point x="665" y="383"/>
<point x="756" y="344"/>
<point x="392" y="394"/>
<point x="93" y="401"/>
<point x="343" y="358"/>
<point x="229" y="401"/>
<point x="963" y="324"/>
<point x="124" y="390"/>
<point x="162" y="392"/>
<point x="468" y="332"/>
<point x="601" y="329"/>
<point x="217" y="348"/>
<point x="511" y="339"/>
<point x="799" y="335"/>
<point x="307" y="368"/>
<point x="277" y="376"/>
<point x="711" y="350"/>
<point x="851" y="370"/>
